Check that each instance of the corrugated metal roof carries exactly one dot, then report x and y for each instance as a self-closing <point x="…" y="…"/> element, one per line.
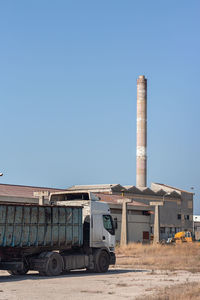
<point x="114" y="199"/>
<point x="22" y="190"/>
<point x="27" y="191"/>
<point x="93" y="186"/>
<point x="117" y="188"/>
<point x="172" y="187"/>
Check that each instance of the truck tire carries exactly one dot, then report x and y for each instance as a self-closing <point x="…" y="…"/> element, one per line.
<point x="19" y="272"/>
<point x="54" y="264"/>
<point x="101" y="262"/>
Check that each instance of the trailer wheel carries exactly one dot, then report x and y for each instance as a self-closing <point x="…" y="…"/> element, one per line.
<point x="54" y="264"/>
<point x="19" y="272"/>
<point x="102" y="261"/>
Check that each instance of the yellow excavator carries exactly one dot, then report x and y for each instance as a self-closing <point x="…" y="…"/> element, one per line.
<point x="182" y="237"/>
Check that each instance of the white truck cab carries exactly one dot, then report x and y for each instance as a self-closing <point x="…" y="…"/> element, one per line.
<point x="98" y="226"/>
<point x="102" y="227"/>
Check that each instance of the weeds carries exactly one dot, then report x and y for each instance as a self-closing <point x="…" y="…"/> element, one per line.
<point x="164" y="257"/>
<point x="189" y="291"/>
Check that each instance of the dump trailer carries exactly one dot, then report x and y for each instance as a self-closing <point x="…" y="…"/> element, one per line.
<point x="75" y="231"/>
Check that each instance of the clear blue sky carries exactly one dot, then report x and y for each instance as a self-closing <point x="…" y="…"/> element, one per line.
<point x="68" y="73"/>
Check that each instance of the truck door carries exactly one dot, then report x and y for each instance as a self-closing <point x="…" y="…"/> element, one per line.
<point x="102" y="232"/>
<point x="96" y="226"/>
<point x="97" y="230"/>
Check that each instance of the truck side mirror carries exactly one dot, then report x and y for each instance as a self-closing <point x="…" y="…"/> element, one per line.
<point x="115" y="223"/>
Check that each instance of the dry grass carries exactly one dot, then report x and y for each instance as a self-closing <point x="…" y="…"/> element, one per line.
<point x="188" y="291"/>
<point x="163" y="257"/>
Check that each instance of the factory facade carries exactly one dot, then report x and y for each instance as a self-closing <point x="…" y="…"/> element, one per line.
<point x="138" y="217"/>
<point x="176" y="214"/>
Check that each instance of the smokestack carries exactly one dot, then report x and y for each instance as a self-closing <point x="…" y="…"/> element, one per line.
<point x="141" y="160"/>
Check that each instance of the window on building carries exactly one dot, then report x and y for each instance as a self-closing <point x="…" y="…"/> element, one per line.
<point x="145" y="235"/>
<point x="179" y="216"/>
<point x="188" y="217"/>
<point x="145" y="213"/>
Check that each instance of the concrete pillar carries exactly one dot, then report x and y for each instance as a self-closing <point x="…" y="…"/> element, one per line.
<point x="124" y="222"/>
<point x="41" y="196"/>
<point x="141" y="151"/>
<point x="156" y="233"/>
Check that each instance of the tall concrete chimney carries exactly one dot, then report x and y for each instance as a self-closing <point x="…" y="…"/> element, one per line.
<point x="141" y="151"/>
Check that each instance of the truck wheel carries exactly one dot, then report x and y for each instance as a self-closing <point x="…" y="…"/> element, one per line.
<point x="54" y="264"/>
<point x="102" y="262"/>
<point x="19" y="272"/>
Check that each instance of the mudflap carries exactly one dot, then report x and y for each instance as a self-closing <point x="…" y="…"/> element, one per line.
<point x="112" y="258"/>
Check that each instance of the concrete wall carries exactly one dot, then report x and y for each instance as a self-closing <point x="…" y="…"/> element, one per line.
<point x="137" y="224"/>
<point x="187" y="210"/>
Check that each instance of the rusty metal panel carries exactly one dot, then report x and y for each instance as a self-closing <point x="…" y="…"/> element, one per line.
<point x="34" y="225"/>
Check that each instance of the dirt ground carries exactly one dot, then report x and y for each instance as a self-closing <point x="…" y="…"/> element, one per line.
<point x="118" y="283"/>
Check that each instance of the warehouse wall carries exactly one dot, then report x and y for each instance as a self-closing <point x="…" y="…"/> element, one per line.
<point x="138" y="224"/>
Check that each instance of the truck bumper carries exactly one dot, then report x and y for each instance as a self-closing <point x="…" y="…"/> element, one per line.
<point x="8" y="265"/>
<point x="112" y="258"/>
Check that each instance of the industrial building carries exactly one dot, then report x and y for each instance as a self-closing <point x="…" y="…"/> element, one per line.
<point x="175" y="215"/>
<point x="22" y="193"/>
<point x="138" y="217"/>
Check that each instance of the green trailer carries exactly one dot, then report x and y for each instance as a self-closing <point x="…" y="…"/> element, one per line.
<point x="30" y="234"/>
<point x="30" y="226"/>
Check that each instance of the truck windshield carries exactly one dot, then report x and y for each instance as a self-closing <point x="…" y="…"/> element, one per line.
<point x="108" y="224"/>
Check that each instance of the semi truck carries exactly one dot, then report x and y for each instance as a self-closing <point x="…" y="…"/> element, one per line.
<point x="73" y="231"/>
